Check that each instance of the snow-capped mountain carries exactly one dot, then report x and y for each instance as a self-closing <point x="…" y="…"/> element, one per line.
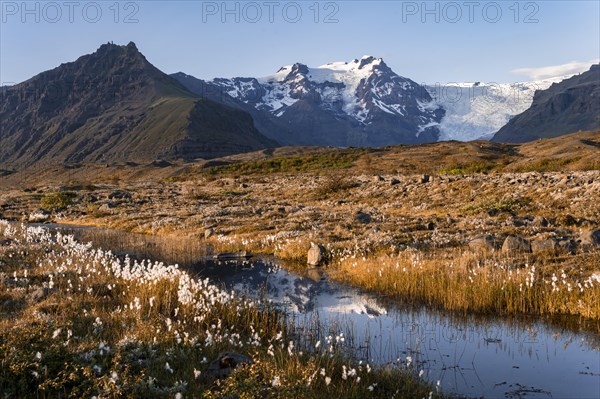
<point x="357" y="103"/>
<point x="356" y="89"/>
<point x="478" y="110"/>
<point x="364" y="103"/>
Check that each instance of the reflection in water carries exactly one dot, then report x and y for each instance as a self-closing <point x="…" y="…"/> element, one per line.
<point x="468" y="356"/>
<point x="493" y="358"/>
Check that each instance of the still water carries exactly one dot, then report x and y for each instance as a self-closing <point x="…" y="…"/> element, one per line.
<point x="470" y="356"/>
<point x="490" y="358"/>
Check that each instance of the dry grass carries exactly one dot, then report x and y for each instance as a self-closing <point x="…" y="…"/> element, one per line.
<point x="481" y="283"/>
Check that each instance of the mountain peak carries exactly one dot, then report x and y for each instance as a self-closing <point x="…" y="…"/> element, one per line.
<point x="369" y="60"/>
<point x="299" y="68"/>
<point x="113" y="49"/>
<point x="114" y="105"/>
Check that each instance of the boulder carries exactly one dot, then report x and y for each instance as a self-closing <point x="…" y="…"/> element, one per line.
<point x="394" y="182"/>
<point x="118" y="194"/>
<point x="425" y="179"/>
<point x="567" y="246"/>
<point x="566" y="220"/>
<point x="589" y="240"/>
<point x="583" y="222"/>
<point x="544" y="246"/>
<point x="514" y="245"/>
<point x="362" y="217"/>
<point x="316" y="255"/>
<point x="106" y="208"/>
<point x="38" y="295"/>
<point x="482" y="243"/>
<point x="225" y="363"/>
<point x="209" y="233"/>
<point x="539" y="221"/>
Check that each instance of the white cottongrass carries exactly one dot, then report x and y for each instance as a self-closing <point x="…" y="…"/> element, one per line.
<point x="168" y="368"/>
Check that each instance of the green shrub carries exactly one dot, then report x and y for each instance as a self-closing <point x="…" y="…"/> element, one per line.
<point x="338" y="159"/>
<point x="57" y="201"/>
<point x="510" y="205"/>
<point x="548" y="165"/>
<point x="468" y="169"/>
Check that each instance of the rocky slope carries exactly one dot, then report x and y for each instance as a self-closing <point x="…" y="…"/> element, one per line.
<point x="113" y="105"/>
<point x="565" y="107"/>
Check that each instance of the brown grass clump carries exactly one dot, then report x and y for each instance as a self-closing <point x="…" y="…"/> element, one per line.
<point x="482" y="283"/>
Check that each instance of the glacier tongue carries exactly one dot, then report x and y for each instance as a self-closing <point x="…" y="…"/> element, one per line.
<point x="478" y="110"/>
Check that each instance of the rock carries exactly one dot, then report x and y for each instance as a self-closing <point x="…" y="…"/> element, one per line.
<point x="583" y="222"/>
<point x="589" y="240"/>
<point x="105" y="208"/>
<point x="378" y="179"/>
<point x="482" y="243"/>
<point x="491" y="212"/>
<point x="5" y="242"/>
<point x="160" y="163"/>
<point x="430" y="226"/>
<point x="225" y="363"/>
<point x="362" y="217"/>
<point x="517" y="221"/>
<point x="425" y="179"/>
<point x="568" y="246"/>
<point x="91" y="198"/>
<point x="316" y="255"/>
<point x="516" y="245"/>
<point x="233" y="255"/>
<point x="566" y="220"/>
<point x="209" y="233"/>
<point x="118" y="194"/>
<point x="38" y="295"/>
<point x="539" y="221"/>
<point x="544" y="246"/>
<point x="394" y="182"/>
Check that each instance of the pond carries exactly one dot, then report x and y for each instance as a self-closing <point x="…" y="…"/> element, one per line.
<point x="472" y="356"/>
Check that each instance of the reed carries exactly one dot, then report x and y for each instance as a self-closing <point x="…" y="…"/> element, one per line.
<point x="481" y="283"/>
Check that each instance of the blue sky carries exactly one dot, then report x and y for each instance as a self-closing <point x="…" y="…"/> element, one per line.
<point x="502" y="41"/>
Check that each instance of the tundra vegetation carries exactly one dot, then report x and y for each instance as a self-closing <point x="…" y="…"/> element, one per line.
<point x="82" y="322"/>
<point x="467" y="227"/>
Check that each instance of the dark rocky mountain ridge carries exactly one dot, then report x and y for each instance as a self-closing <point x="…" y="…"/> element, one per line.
<point x="569" y="106"/>
<point x="113" y="105"/>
